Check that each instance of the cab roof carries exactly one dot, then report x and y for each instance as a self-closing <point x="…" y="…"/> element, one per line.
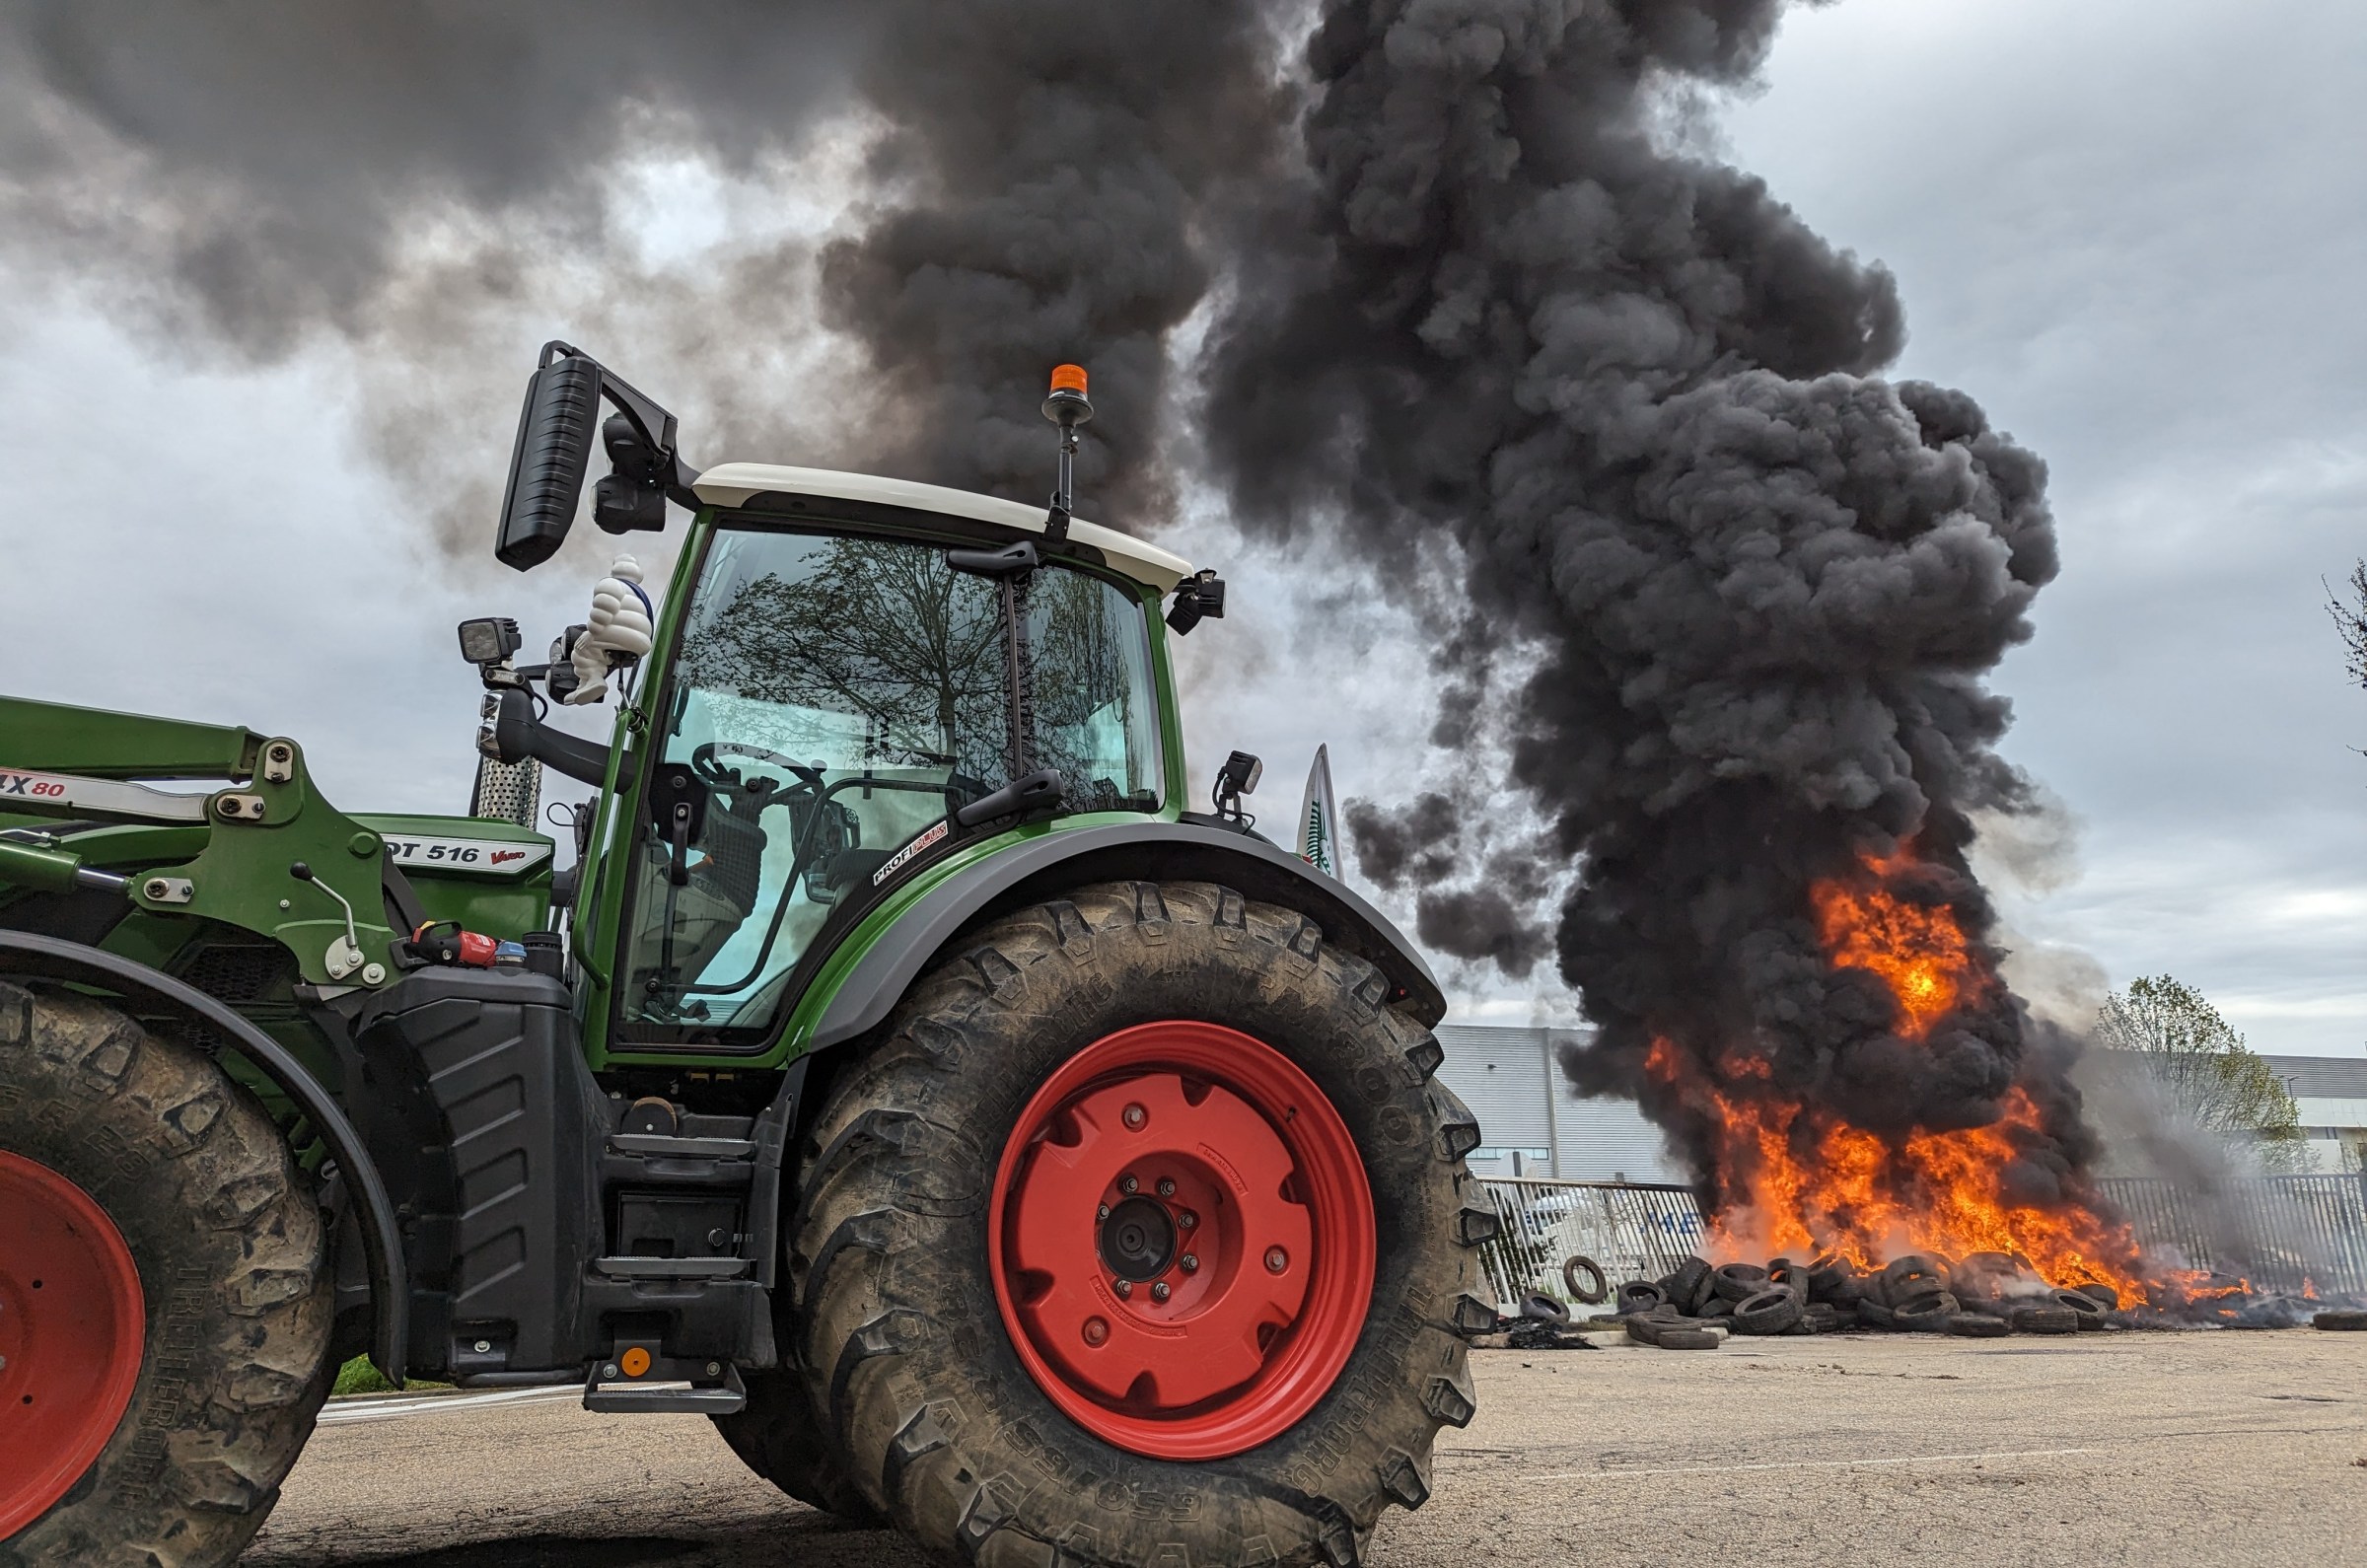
<point x="737" y="483"/>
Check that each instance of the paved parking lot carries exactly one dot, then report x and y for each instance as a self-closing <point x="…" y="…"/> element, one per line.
<point x="2151" y="1448"/>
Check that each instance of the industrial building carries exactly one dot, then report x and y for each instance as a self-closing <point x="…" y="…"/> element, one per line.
<point x="2330" y="1093"/>
<point x="1533" y="1121"/>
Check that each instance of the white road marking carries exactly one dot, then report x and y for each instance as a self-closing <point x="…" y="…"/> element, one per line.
<point x="1803" y="1465"/>
<point x="400" y="1407"/>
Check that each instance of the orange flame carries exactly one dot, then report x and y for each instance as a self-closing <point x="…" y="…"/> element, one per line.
<point x="1919" y="951"/>
<point x="1799" y="1181"/>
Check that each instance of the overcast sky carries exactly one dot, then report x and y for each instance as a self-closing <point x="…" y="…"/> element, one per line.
<point x="2135" y="232"/>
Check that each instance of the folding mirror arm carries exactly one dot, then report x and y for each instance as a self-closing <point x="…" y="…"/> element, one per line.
<point x="652" y="424"/>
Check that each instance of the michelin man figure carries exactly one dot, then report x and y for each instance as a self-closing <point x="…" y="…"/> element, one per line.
<point x="617" y="632"/>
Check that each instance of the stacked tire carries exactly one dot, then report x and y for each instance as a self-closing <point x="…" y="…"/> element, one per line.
<point x="1984" y="1295"/>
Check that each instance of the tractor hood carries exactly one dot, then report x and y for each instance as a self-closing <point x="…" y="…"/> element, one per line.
<point x="738" y="483"/>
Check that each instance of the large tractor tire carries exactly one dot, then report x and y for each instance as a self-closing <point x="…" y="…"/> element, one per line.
<point x="165" y="1298"/>
<point x="1142" y="1235"/>
<point x="776" y="1436"/>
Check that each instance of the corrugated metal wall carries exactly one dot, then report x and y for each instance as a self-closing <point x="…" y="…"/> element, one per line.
<point x="1525" y="1106"/>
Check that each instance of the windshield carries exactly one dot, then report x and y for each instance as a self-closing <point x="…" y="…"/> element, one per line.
<point x="834" y="699"/>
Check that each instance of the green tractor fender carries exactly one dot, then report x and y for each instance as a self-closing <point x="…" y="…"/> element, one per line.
<point x="1042" y="868"/>
<point x="25" y="952"/>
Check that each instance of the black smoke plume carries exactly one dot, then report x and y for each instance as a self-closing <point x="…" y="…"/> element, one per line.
<point x="1726" y="597"/>
<point x="444" y="185"/>
<point x="1051" y="161"/>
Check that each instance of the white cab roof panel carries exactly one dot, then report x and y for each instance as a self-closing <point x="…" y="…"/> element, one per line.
<point x="736" y="483"/>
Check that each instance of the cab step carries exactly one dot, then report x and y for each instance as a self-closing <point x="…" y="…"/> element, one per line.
<point x="650" y="1397"/>
<point x="672" y="1267"/>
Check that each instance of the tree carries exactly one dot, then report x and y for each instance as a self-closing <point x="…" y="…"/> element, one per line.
<point x="2350" y="620"/>
<point x="2217" y="1080"/>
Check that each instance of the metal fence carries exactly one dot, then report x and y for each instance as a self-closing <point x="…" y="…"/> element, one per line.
<point x="1634" y="1230"/>
<point x="2278" y="1232"/>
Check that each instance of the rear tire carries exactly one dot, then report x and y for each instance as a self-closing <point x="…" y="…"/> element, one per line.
<point x="917" y="1366"/>
<point x="151" y="1166"/>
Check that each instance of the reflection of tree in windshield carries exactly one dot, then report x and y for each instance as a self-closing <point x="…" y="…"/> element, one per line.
<point x="1084" y="685"/>
<point x="884" y="630"/>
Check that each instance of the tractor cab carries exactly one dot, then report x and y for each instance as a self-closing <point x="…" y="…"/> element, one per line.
<point x="844" y="699"/>
<point x="849" y="684"/>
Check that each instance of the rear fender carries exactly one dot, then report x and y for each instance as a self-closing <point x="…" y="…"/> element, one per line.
<point x="1147" y="851"/>
<point x="27" y="955"/>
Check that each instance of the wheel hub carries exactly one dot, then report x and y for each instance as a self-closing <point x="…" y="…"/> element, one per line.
<point x="72" y="1326"/>
<point x="1182" y="1240"/>
<point x="1138" y="1239"/>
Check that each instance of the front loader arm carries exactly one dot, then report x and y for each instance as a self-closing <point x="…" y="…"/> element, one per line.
<point x="264" y="852"/>
<point x="52" y="738"/>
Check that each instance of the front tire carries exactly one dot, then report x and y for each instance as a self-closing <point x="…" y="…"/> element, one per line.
<point x="953" y="1225"/>
<point x="165" y="1300"/>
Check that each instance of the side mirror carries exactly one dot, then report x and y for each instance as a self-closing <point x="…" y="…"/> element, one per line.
<point x="1199" y="596"/>
<point x="1238" y="777"/>
<point x="547" y="460"/>
<point x="554" y="449"/>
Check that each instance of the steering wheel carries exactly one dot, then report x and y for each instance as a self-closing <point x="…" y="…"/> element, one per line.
<point x="703" y="763"/>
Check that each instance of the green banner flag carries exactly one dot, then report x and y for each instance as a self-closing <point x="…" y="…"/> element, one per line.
<point x="1319" y="818"/>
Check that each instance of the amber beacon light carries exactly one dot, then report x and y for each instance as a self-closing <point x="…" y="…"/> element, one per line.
<point x="1067" y="407"/>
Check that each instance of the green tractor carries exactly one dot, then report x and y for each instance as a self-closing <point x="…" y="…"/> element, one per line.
<point x="899" y="1074"/>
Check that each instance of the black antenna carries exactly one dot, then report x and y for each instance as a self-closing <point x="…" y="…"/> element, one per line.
<point x="1067" y="407"/>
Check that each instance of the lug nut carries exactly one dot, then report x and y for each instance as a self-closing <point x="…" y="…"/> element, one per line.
<point x="1160" y="1292"/>
<point x="1127" y="1184"/>
<point x="1276" y="1260"/>
<point x="1188" y="1263"/>
<point x="1125" y="1289"/>
<point x="1135" y="1116"/>
<point x="1187" y="1219"/>
<point x="1096" y="1331"/>
<point x="1167" y="1189"/>
<point x="1105" y="1214"/>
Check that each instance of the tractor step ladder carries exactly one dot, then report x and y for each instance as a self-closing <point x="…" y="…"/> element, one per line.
<point x="672" y="1267"/>
<point x="656" y="1395"/>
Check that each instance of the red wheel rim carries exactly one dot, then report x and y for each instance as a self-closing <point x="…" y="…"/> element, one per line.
<point x="71" y="1329"/>
<point x="1261" y="1187"/>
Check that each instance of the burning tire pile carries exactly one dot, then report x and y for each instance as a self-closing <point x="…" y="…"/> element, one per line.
<point x="1979" y="1296"/>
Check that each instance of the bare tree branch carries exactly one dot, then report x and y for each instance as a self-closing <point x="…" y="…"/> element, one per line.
<point x="2350" y="620"/>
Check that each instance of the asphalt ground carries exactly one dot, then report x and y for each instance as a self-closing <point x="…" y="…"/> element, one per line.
<point x="2154" y="1448"/>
